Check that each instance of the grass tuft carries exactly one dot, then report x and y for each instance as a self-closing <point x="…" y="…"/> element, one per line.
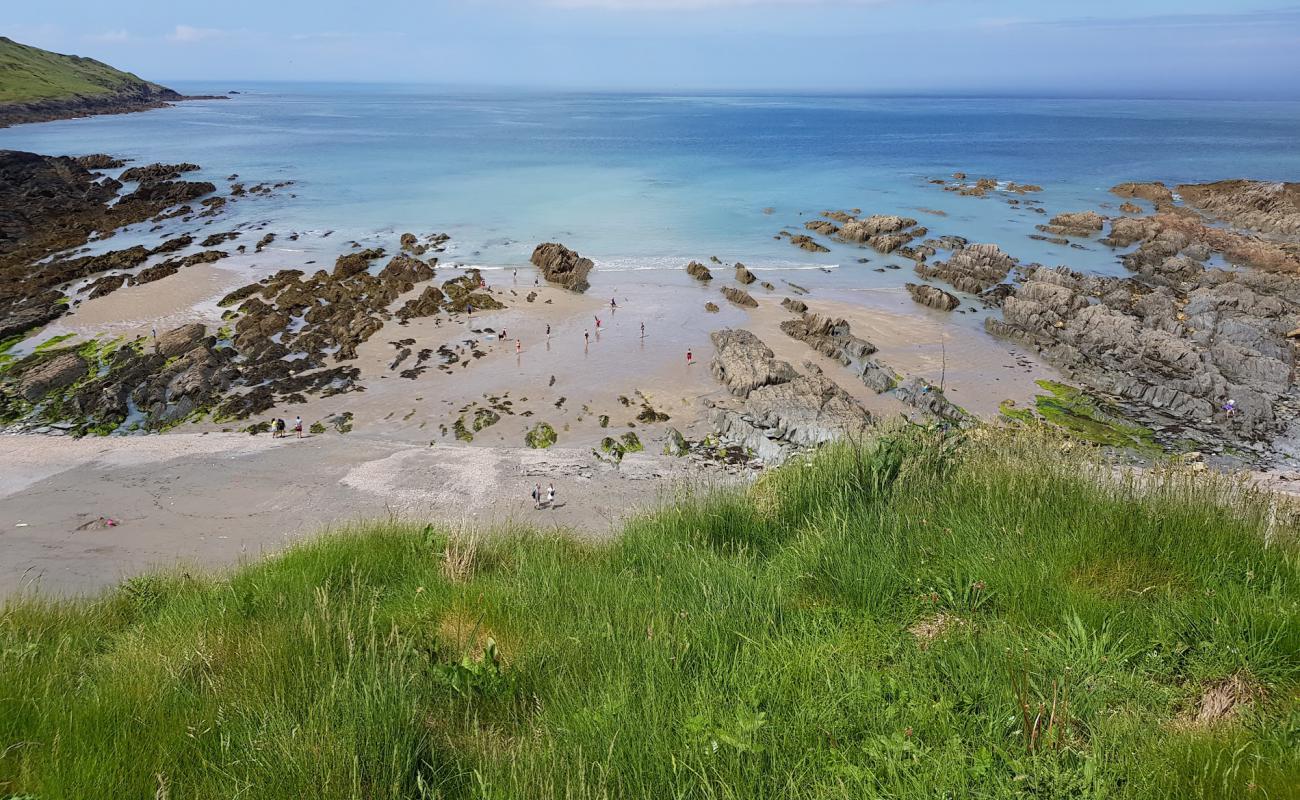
<point x="1000" y="614"/>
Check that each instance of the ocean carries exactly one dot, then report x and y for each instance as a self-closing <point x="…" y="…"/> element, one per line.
<point x="647" y="182"/>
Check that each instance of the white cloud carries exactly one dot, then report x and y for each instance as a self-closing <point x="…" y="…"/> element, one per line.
<point x="113" y="36"/>
<point x="189" y="33"/>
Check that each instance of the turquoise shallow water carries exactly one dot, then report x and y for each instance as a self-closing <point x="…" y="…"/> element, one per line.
<point x="645" y="181"/>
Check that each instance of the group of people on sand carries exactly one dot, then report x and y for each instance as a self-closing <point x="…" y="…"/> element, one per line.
<point x="278" y="428"/>
<point x="541" y="500"/>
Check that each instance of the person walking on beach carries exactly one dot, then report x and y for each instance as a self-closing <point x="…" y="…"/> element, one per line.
<point x="642" y="330"/>
<point x="297" y="426"/>
<point x="586" y="338"/>
<point x="689" y="357"/>
<point x="519" y="346"/>
<point x="548" y="330"/>
<point x="597" y="324"/>
<point x="537" y="496"/>
<point x="550" y="496"/>
<point x="612" y="305"/>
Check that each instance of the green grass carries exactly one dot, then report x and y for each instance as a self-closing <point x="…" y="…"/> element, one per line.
<point x="750" y="644"/>
<point x="29" y="73"/>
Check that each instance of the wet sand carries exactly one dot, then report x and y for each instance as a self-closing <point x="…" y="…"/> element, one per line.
<point x="209" y="496"/>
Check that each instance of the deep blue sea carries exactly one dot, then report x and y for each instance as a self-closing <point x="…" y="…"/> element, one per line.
<point x="647" y="181"/>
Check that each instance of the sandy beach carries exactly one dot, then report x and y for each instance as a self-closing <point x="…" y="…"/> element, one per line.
<point x="201" y="501"/>
<point x="209" y="495"/>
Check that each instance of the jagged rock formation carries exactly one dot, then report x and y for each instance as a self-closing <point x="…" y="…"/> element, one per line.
<point x="1081" y="223"/>
<point x="561" y="265"/>
<point x="834" y="339"/>
<point x="1255" y="205"/>
<point x="775" y="411"/>
<point x="804" y="242"/>
<point x="883" y="233"/>
<point x="740" y="297"/>
<point x="1174" y="349"/>
<point x="744" y="276"/>
<point x="974" y="269"/>
<point x="698" y="271"/>
<point x="932" y="296"/>
<point x="50" y="204"/>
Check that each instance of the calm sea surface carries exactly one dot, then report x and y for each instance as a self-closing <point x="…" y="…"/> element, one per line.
<point x="646" y="181"/>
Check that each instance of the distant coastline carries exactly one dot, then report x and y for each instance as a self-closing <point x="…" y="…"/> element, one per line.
<point x="40" y="86"/>
<point x="56" y="108"/>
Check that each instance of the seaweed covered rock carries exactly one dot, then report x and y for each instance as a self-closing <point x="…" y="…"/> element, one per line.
<point x="541" y="436"/>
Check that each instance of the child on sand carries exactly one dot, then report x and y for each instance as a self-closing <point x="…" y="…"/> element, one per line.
<point x="297" y="426"/>
<point x="550" y="496"/>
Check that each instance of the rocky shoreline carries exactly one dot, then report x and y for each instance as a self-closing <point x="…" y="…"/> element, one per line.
<point x="125" y="102"/>
<point x="1194" y="349"/>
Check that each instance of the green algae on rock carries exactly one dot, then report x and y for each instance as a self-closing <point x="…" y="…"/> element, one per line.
<point x="541" y="436"/>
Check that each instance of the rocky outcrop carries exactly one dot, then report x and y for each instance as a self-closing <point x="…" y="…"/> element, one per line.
<point x="740" y="297"/>
<point x="974" y="269"/>
<point x="744" y="276"/>
<point x="53" y="204"/>
<point x="154" y="173"/>
<point x="1255" y="205"/>
<point x="561" y="265"/>
<point x="698" y="271"/>
<point x="930" y="400"/>
<point x="1081" y="223"/>
<point x="803" y="242"/>
<point x="932" y="296"/>
<point x="775" y="411"/>
<point x="351" y="264"/>
<point x="1156" y="193"/>
<point x="51" y="374"/>
<point x="834" y="339"/>
<point x="883" y="233"/>
<point x="1173" y="346"/>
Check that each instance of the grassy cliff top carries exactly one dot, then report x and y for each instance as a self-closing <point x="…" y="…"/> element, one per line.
<point x="30" y="73"/>
<point x="999" y="616"/>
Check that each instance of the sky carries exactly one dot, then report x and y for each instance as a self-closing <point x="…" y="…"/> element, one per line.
<point x="1151" y="48"/>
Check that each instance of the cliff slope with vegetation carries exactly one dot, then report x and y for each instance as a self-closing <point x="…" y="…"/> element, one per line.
<point x="997" y="615"/>
<point x="37" y="85"/>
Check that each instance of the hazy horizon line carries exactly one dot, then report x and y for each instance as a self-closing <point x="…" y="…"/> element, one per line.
<point x="954" y="93"/>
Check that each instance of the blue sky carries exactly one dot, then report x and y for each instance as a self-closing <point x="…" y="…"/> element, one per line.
<point x="1138" y="47"/>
